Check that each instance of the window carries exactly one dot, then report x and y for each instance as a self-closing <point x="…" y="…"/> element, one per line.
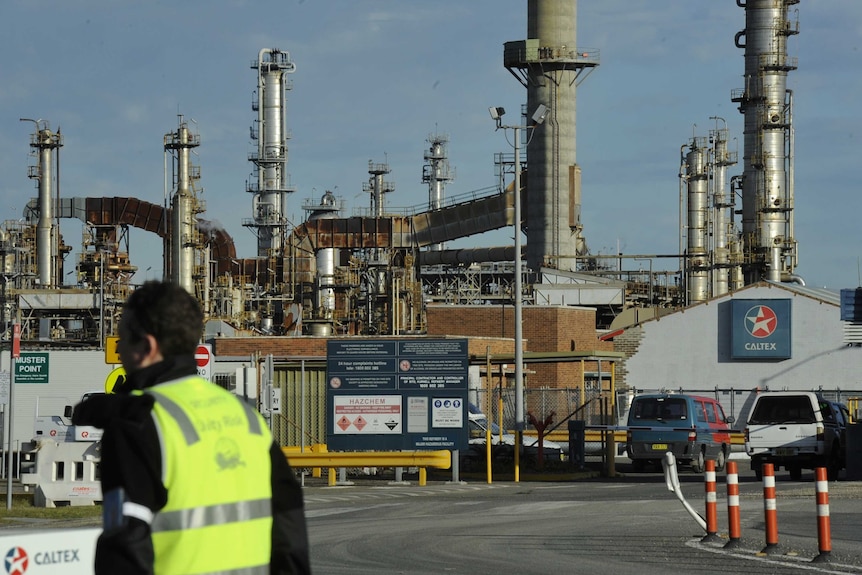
<point x="710" y="412"/>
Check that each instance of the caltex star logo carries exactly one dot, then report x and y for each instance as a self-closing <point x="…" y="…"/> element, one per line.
<point x="761" y="321"/>
<point x="16" y="561"/>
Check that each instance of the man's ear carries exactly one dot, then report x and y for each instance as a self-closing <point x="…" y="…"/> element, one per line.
<point x="149" y="351"/>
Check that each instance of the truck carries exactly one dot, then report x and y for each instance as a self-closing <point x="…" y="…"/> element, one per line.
<point x="797" y="430"/>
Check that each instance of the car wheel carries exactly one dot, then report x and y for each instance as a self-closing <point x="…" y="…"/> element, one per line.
<point x="757" y="467"/>
<point x="720" y="459"/>
<point x="795" y="472"/>
<point x="697" y="463"/>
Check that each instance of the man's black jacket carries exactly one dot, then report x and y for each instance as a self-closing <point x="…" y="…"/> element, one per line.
<point x="131" y="459"/>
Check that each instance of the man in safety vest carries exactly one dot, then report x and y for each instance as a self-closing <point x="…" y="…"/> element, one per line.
<point x="192" y="481"/>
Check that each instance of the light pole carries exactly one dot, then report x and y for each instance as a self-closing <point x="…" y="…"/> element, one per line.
<point x="537" y="118"/>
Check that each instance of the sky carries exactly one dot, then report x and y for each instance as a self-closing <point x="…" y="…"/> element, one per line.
<point x="375" y="78"/>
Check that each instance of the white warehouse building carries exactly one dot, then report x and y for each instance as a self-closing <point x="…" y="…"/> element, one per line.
<point x="766" y="336"/>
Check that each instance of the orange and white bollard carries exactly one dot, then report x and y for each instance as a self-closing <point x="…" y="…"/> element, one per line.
<point x="711" y="503"/>
<point x="734" y="526"/>
<point x="824" y="530"/>
<point x="769" y="508"/>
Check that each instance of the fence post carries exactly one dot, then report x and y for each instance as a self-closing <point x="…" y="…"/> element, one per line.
<point x="770" y="510"/>
<point x="711" y="503"/>
<point x="824" y="530"/>
<point x="733" y="518"/>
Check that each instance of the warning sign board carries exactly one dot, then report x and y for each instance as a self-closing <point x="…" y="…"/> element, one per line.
<point x="370" y="414"/>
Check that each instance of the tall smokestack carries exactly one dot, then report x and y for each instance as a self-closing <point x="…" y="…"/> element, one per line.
<point x="550" y="65"/>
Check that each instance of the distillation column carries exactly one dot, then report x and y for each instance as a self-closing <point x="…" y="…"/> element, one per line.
<point x="269" y="204"/>
<point x="723" y="231"/>
<point x="767" y="181"/>
<point x="43" y="143"/>
<point x="697" y="262"/>
<point x="183" y="238"/>
<point x="550" y="66"/>
<point x="437" y="174"/>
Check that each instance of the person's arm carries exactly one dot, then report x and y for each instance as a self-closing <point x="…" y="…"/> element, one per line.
<point x="131" y="482"/>
<point x="290" y="552"/>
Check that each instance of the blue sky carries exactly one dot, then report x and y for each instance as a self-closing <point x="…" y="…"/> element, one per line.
<point x="374" y="78"/>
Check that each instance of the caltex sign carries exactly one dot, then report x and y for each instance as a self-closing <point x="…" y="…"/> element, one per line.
<point x="761" y="329"/>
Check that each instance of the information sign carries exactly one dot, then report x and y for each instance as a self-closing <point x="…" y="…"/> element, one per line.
<point x="397" y="394"/>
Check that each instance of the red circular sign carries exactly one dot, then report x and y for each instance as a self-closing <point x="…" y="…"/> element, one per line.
<point x="202" y="356"/>
<point x="53" y="433"/>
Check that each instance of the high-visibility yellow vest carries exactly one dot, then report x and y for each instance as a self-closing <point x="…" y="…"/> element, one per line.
<point x="216" y="468"/>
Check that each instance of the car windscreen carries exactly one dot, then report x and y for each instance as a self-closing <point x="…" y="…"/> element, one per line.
<point x="782" y="409"/>
<point x="654" y="408"/>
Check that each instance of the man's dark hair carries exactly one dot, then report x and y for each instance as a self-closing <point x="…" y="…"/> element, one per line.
<point x="167" y="312"/>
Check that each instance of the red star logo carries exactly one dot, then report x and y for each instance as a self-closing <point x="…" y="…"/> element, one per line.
<point x="761" y="321"/>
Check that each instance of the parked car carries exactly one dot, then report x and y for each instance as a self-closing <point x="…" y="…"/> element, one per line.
<point x="796" y="430"/>
<point x="503" y="445"/>
<point x="692" y="427"/>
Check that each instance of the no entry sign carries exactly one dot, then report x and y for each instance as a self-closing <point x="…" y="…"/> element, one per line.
<point x="204" y="360"/>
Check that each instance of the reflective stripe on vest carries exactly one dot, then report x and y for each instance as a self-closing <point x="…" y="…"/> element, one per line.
<point x="212" y="515"/>
<point x="186" y="425"/>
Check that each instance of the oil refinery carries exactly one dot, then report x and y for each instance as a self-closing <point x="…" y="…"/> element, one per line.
<point x="374" y="272"/>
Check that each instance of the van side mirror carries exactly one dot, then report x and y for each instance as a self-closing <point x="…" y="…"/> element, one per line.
<point x="729" y="419"/>
<point x="67" y="411"/>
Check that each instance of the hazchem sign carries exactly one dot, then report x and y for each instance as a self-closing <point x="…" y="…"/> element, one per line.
<point x="31" y="368"/>
<point x="397" y="394"/>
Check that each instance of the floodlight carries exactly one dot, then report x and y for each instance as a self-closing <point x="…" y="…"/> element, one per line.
<point x="540" y="114"/>
<point x="496" y="112"/>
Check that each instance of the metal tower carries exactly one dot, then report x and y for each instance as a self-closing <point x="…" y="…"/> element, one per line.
<point x="767" y="104"/>
<point x="436" y="174"/>
<point x="550" y="66"/>
<point x="270" y="161"/>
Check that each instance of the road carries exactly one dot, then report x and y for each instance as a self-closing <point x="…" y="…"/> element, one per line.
<point x="628" y="524"/>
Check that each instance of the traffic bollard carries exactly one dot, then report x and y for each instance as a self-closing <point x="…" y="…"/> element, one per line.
<point x="824" y="529"/>
<point x="770" y="510"/>
<point x="733" y="518"/>
<point x="711" y="503"/>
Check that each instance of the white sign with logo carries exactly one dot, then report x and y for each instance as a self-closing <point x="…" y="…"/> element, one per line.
<point x="50" y="551"/>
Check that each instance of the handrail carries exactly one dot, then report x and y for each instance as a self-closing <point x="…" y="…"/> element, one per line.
<point x="440" y="459"/>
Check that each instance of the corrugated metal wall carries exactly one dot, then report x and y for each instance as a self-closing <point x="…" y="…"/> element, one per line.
<point x="302" y="421"/>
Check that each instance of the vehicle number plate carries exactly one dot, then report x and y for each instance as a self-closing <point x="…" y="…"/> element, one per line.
<point x="659" y="446"/>
<point x="785" y="451"/>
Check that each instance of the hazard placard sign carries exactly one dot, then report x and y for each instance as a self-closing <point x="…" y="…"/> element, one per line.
<point x="204" y="360"/>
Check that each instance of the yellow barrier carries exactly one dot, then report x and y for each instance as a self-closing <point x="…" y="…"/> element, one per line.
<point x="595" y="435"/>
<point x="441" y="459"/>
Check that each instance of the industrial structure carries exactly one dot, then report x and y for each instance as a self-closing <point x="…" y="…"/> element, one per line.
<point x="375" y="272"/>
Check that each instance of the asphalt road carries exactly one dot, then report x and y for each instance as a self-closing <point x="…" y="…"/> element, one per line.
<point x="628" y="524"/>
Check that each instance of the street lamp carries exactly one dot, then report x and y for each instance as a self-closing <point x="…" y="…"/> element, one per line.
<point x="536" y="119"/>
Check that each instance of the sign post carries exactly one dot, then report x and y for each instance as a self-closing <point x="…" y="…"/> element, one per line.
<point x="14" y="354"/>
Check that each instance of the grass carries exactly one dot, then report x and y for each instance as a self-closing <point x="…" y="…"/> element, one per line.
<point x="22" y="507"/>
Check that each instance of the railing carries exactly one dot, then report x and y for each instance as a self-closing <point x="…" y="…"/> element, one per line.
<point x="333" y="460"/>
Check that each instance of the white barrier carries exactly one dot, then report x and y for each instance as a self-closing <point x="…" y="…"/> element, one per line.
<point x="49" y="552"/>
<point x="671" y="478"/>
<point x="64" y="473"/>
